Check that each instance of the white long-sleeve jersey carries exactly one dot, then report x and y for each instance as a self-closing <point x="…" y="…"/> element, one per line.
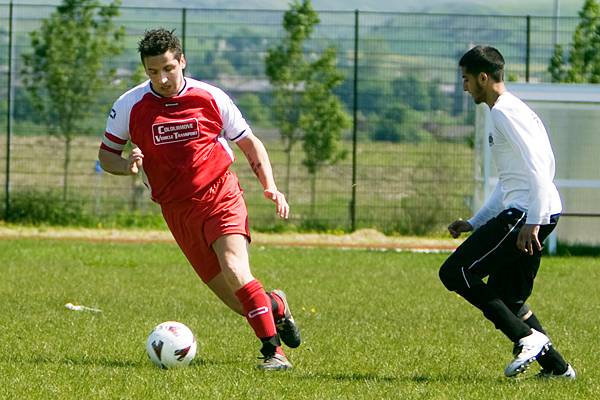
<point x="524" y="159"/>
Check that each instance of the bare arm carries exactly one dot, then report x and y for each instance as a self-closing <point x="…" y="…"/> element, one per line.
<point x="117" y="165"/>
<point x="257" y="157"/>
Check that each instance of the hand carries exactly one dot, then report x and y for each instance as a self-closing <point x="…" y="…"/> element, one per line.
<point x="458" y="227"/>
<point x="283" y="209"/>
<point x="528" y="238"/>
<point x="135" y="160"/>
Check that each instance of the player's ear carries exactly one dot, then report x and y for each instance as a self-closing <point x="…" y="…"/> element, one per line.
<point x="182" y="61"/>
<point x="483" y="78"/>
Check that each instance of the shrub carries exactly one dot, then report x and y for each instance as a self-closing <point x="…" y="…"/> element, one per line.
<point x="46" y="207"/>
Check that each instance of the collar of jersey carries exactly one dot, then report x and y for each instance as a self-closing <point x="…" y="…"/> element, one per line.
<point x="163" y="97"/>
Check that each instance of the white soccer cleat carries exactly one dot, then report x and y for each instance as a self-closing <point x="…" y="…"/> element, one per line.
<point x="275" y="362"/>
<point x="532" y="346"/>
<point x="569" y="374"/>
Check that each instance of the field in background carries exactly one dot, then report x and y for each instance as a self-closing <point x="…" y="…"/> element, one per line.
<point x="377" y="325"/>
<point x="414" y="125"/>
<point x="401" y="188"/>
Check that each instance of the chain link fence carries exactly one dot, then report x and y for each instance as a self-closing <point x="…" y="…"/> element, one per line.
<point x="410" y="158"/>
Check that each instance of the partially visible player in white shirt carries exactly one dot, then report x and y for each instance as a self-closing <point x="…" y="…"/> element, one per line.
<point x="523" y="155"/>
<point x="508" y="231"/>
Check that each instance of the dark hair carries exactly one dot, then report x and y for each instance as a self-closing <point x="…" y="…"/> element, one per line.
<point x="158" y="41"/>
<point x="484" y="59"/>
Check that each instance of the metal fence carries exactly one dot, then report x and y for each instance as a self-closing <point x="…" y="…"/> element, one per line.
<point x="410" y="164"/>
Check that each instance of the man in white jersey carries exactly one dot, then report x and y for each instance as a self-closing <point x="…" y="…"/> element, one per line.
<point x="180" y="128"/>
<point x="508" y="231"/>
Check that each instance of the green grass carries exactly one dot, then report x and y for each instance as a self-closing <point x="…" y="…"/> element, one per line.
<point x="376" y="325"/>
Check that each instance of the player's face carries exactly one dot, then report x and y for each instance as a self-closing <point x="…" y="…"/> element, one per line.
<point x="165" y="73"/>
<point x="472" y="85"/>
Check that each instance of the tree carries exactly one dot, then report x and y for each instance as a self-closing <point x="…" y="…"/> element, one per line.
<point x="66" y="70"/>
<point x="253" y="109"/>
<point x="305" y="105"/>
<point x="413" y="92"/>
<point x="287" y="70"/>
<point x="243" y="45"/>
<point x="398" y="122"/>
<point x="207" y="58"/>
<point x="323" y="118"/>
<point x="583" y="64"/>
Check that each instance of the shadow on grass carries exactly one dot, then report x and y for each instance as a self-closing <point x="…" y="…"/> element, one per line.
<point x="82" y="361"/>
<point x="103" y="362"/>
<point x="458" y="378"/>
<point x="386" y="378"/>
<point x="202" y="362"/>
<point x="351" y="377"/>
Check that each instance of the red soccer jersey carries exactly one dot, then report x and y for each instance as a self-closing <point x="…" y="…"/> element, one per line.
<point x="183" y="138"/>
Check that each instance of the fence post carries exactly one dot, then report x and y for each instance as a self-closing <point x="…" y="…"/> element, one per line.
<point x="9" y="109"/>
<point x="528" y="49"/>
<point x="354" y="125"/>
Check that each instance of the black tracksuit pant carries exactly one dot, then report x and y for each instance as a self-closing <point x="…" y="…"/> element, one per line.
<point x="492" y="251"/>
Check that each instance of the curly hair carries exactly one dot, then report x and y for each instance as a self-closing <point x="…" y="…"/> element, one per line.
<point x="158" y="41"/>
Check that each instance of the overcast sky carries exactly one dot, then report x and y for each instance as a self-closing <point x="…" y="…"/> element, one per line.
<point x="518" y="7"/>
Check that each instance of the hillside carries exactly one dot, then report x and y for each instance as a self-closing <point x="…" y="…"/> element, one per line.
<point x="512" y="7"/>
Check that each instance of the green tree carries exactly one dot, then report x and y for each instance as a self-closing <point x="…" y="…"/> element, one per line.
<point x="399" y="122"/>
<point x="412" y="91"/>
<point x="305" y="106"/>
<point x="207" y="58"/>
<point x="323" y="118"/>
<point x="288" y="70"/>
<point x="253" y="109"/>
<point x="419" y="94"/>
<point x="243" y="45"/>
<point x="583" y="64"/>
<point x="66" y="70"/>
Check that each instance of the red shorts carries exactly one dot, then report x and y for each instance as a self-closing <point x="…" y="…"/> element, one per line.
<point x="196" y="223"/>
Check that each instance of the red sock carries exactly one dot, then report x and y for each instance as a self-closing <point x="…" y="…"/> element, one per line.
<point x="257" y="308"/>
<point x="280" y="313"/>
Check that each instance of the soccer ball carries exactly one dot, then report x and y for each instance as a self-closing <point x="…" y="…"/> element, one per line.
<point x="171" y="345"/>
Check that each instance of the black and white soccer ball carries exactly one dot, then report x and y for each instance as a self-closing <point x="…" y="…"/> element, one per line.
<point x="171" y="345"/>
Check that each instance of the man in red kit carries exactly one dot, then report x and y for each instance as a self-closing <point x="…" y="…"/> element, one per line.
<point x="179" y="128"/>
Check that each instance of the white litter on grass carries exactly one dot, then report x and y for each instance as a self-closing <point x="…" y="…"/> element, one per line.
<point x="73" y="307"/>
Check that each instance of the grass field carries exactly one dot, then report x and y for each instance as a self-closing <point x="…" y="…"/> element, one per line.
<point x="377" y="325"/>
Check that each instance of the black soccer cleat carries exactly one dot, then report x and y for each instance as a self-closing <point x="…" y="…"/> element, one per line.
<point x="569" y="374"/>
<point x="286" y="327"/>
